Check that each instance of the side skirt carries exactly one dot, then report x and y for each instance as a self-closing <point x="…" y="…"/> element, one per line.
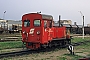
<point x="57" y="42"/>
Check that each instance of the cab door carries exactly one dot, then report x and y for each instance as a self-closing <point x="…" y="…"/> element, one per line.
<point x="50" y="30"/>
<point x="45" y="32"/>
<point x="25" y="29"/>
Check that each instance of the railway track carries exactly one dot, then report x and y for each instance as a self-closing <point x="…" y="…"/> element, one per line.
<point x="25" y="52"/>
<point x="80" y="43"/>
<point x="8" y="40"/>
<point x="18" y="53"/>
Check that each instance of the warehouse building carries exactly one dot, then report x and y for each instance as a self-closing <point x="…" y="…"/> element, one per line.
<point x="64" y="22"/>
<point x="10" y="25"/>
<point x="88" y="25"/>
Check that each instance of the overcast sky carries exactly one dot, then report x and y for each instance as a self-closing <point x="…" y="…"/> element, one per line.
<point x="68" y="9"/>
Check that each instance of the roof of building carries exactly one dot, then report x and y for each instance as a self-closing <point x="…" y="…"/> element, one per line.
<point x="1" y="19"/>
<point x="14" y="22"/>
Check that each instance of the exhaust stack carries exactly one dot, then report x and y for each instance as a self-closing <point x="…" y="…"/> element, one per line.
<point x="59" y="20"/>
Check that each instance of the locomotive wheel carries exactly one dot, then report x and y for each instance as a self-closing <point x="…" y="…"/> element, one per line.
<point x="50" y="45"/>
<point x="69" y="41"/>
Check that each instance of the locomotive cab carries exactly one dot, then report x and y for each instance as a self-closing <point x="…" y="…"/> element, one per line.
<point x="36" y="29"/>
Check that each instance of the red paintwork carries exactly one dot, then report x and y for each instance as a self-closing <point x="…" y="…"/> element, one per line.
<point x="46" y="34"/>
<point x="84" y="59"/>
<point x="59" y="32"/>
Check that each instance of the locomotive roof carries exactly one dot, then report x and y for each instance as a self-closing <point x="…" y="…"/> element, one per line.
<point x="44" y="16"/>
<point x="47" y="17"/>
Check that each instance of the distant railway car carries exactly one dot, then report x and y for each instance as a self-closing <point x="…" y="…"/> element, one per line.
<point x="14" y="28"/>
<point x="38" y="32"/>
<point x="75" y="29"/>
<point x="79" y="29"/>
<point x="86" y="30"/>
<point x="1" y="30"/>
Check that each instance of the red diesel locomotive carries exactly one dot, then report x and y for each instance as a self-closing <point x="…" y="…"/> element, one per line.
<point x="38" y="31"/>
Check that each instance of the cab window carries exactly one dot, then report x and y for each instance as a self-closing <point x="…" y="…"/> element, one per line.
<point x="26" y="23"/>
<point x="50" y="24"/>
<point x="37" y="23"/>
<point x="45" y="24"/>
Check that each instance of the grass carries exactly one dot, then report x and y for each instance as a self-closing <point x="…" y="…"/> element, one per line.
<point x="66" y="56"/>
<point x="10" y="44"/>
<point x="69" y="57"/>
<point x="72" y="57"/>
<point x="82" y="48"/>
<point x="61" y="58"/>
<point x="79" y="39"/>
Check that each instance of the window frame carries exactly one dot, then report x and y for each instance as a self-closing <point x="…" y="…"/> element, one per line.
<point x="49" y="22"/>
<point x="45" y="21"/>
<point x="26" y="24"/>
<point x="34" y="24"/>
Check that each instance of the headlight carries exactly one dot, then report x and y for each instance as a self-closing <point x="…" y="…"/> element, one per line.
<point x="38" y="32"/>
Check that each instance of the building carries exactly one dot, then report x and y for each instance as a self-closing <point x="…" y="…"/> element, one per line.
<point x="88" y="25"/>
<point x="10" y="25"/>
<point x="2" y="23"/>
<point x="64" y="22"/>
<point x="14" y="25"/>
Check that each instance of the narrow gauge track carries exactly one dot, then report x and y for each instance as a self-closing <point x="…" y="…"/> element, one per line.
<point x="8" y="40"/>
<point x="19" y="53"/>
<point x="80" y="43"/>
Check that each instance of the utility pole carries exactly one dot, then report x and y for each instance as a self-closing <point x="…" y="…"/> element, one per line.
<point x="4" y="19"/>
<point x="83" y="27"/>
<point x="83" y="23"/>
<point x="4" y="15"/>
